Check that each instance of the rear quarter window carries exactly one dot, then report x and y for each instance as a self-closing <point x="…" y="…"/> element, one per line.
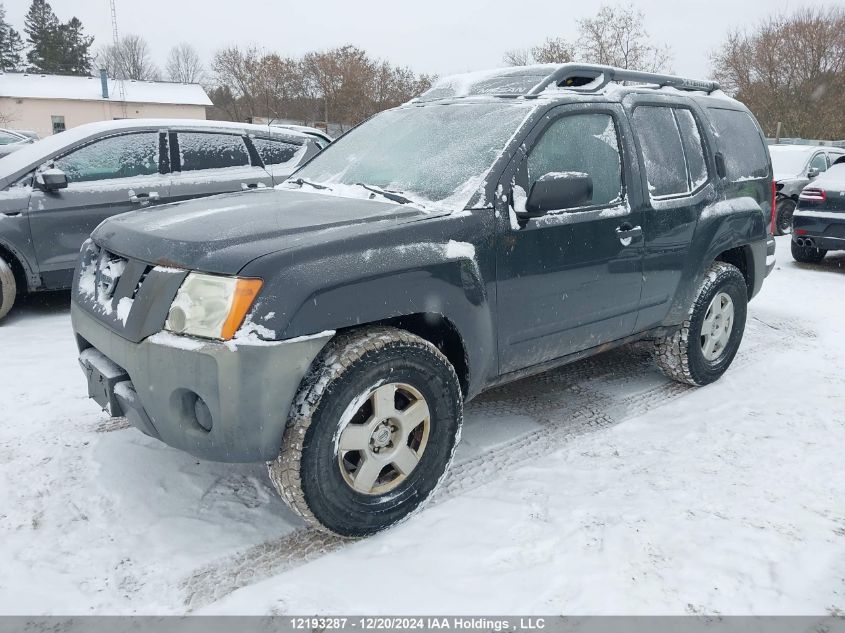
<point x="275" y="152"/>
<point x="740" y="143"/>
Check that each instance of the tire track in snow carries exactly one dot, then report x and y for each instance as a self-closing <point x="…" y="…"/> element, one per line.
<point x="567" y="402"/>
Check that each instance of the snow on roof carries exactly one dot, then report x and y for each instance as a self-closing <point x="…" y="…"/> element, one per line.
<point x="36" y="86"/>
<point x="23" y="159"/>
<point x="508" y="80"/>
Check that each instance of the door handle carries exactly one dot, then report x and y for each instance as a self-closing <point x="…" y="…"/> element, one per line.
<point x="626" y="233"/>
<point x="142" y="198"/>
<point x="252" y="185"/>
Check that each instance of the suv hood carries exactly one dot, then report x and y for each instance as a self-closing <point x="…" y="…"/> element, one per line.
<point x="222" y="234"/>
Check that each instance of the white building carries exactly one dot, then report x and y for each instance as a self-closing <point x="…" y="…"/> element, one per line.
<point x="48" y="104"/>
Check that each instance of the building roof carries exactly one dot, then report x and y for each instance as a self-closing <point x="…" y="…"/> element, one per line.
<point x="36" y="86"/>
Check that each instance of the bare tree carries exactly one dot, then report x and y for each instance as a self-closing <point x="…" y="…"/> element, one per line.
<point x="555" y="50"/>
<point x="130" y="58"/>
<point x="518" y="57"/>
<point x="789" y="69"/>
<point x="342" y="86"/>
<point x="184" y="64"/>
<point x="616" y="36"/>
<point x="236" y="70"/>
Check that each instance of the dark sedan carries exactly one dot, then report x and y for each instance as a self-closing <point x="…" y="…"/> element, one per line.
<point x="818" y="224"/>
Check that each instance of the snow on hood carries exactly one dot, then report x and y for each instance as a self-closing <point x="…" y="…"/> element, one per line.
<point x="221" y="234"/>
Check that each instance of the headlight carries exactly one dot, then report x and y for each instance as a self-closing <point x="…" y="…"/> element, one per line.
<point x="211" y="306"/>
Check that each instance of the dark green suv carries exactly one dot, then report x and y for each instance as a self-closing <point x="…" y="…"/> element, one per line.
<point x="502" y="224"/>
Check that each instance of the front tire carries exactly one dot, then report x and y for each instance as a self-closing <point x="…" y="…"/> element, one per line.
<point x="807" y="254"/>
<point x="783" y="216"/>
<point x="8" y="288"/>
<point x="706" y="344"/>
<point x="371" y="432"/>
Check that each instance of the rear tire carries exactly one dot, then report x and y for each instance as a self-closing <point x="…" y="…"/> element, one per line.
<point x="8" y="288"/>
<point x="807" y="254"/>
<point x="371" y="432"/>
<point x="783" y="216"/>
<point x="707" y="342"/>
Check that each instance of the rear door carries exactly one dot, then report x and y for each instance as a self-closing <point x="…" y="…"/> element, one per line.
<point x="108" y="176"/>
<point x="677" y="178"/>
<point x="207" y="163"/>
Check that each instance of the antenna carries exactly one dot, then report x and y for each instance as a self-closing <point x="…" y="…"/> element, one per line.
<point x="116" y="39"/>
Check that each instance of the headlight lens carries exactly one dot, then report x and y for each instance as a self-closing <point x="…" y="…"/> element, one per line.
<point x="211" y="306"/>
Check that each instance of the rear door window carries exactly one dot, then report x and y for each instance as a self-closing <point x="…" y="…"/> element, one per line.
<point x="693" y="148"/>
<point x="672" y="150"/>
<point x="741" y="145"/>
<point x="203" y="150"/>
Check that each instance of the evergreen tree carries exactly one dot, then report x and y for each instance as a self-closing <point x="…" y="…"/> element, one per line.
<point x="75" y="47"/>
<point x="11" y="45"/>
<point x="56" y="47"/>
<point x="42" y="34"/>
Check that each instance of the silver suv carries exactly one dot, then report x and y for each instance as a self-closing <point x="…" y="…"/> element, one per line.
<point x="54" y="192"/>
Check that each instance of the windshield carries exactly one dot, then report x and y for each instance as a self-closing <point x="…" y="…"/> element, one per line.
<point x="37" y="151"/>
<point x="7" y="138"/>
<point x="436" y="154"/>
<point x="788" y="160"/>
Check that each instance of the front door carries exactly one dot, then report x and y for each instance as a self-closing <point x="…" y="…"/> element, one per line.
<point x="570" y="279"/>
<point x="108" y="176"/>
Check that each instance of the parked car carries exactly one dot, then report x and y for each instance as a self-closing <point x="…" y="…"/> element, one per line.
<point x="818" y="224"/>
<point x="55" y="191"/>
<point x="796" y="166"/>
<point x="28" y="133"/>
<point x="500" y="225"/>
<point x="12" y="141"/>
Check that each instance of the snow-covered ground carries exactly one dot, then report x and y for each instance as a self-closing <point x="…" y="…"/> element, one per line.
<point x="598" y="488"/>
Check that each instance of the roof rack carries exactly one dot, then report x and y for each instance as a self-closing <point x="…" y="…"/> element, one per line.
<point x="592" y="78"/>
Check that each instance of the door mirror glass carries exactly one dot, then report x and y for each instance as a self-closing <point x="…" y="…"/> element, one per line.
<point x="559" y="190"/>
<point x="813" y="172"/>
<point x="53" y="179"/>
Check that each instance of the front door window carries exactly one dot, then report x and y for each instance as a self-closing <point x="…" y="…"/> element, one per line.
<point x="126" y="156"/>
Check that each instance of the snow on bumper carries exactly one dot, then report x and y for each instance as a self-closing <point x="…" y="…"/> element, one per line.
<point x="214" y="401"/>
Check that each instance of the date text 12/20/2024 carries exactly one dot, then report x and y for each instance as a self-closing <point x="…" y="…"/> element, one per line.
<point x="453" y="623"/>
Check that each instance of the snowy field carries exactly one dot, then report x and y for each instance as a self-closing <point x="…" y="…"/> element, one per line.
<point x="597" y="488"/>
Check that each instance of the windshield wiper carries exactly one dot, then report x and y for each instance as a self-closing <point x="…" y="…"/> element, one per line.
<point x="393" y="196"/>
<point x="316" y="185"/>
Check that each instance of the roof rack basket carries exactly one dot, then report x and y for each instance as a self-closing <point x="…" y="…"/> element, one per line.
<point x="592" y="78"/>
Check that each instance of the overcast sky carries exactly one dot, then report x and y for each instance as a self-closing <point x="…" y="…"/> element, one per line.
<point x="433" y="36"/>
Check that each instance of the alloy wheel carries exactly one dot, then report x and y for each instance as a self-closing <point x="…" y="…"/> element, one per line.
<point x="385" y="439"/>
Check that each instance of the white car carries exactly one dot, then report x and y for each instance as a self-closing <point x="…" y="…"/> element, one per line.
<point x="12" y="141"/>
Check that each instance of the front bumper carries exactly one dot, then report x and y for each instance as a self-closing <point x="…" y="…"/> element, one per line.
<point x="245" y="389"/>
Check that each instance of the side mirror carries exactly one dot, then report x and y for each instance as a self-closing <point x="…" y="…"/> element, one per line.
<point x="559" y="190"/>
<point x="813" y="172"/>
<point x="53" y="179"/>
